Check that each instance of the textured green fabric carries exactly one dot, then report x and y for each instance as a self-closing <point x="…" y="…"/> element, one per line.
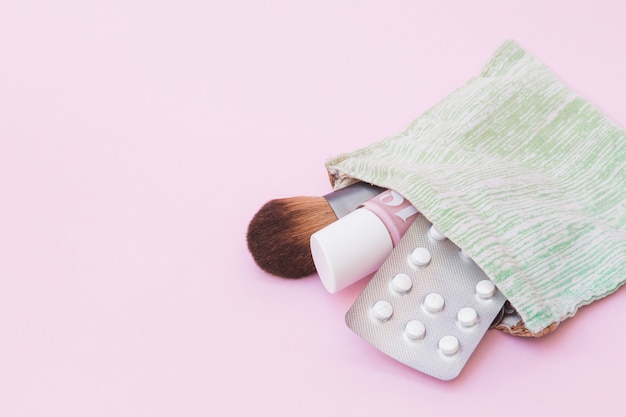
<point x="524" y="175"/>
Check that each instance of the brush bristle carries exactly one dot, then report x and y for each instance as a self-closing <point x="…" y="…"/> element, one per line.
<point x="279" y="234"/>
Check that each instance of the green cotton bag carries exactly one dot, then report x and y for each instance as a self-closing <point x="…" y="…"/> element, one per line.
<point x="522" y="173"/>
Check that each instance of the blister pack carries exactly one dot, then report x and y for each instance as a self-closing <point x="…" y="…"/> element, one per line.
<point x="428" y="306"/>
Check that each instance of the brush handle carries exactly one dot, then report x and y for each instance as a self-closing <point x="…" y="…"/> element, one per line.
<point x="357" y="244"/>
<point x="348" y="199"/>
<point x="396" y="212"/>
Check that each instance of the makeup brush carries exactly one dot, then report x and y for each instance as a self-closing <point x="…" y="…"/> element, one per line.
<point x="279" y="233"/>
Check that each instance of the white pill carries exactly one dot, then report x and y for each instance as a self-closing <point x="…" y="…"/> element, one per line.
<point x="485" y="288"/>
<point x="434" y="302"/>
<point x="465" y="255"/>
<point x="467" y="317"/>
<point x="415" y="330"/>
<point x="449" y="345"/>
<point x="401" y="283"/>
<point x="420" y="256"/>
<point x="382" y="310"/>
<point x="436" y="234"/>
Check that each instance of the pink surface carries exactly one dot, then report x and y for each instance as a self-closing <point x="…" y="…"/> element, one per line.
<point x="138" y="138"/>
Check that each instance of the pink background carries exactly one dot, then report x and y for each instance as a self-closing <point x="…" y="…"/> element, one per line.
<point x="138" y="138"/>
